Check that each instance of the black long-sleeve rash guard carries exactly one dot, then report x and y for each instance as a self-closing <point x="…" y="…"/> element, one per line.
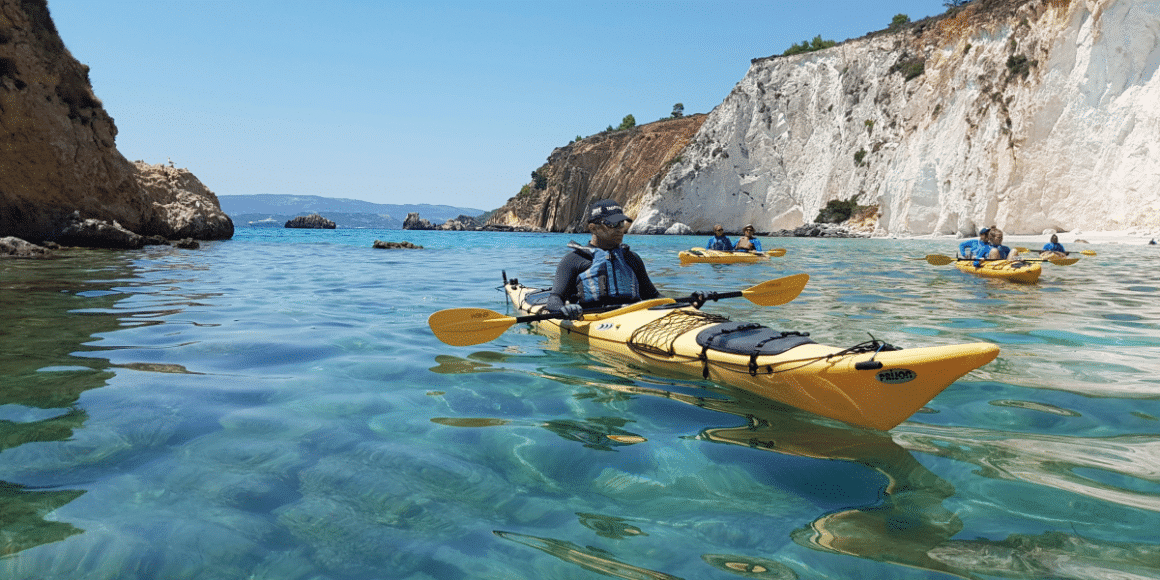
<point x="575" y="263"/>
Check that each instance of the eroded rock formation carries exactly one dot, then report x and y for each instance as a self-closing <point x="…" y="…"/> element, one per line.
<point x="1031" y="115"/>
<point x="461" y="223"/>
<point x="620" y="165"/>
<point x="414" y="222"/>
<point x="1026" y="114"/>
<point x="59" y="166"/>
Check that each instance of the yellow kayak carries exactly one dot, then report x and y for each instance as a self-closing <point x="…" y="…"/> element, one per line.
<point x="872" y="385"/>
<point x="1012" y="270"/>
<point x="701" y="255"/>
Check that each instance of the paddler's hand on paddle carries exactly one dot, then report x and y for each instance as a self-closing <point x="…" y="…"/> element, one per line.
<point x="697" y="299"/>
<point x="572" y="311"/>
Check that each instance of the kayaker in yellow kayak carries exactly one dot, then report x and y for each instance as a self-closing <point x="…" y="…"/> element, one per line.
<point x="997" y="250"/>
<point x="1053" y="249"/>
<point x="972" y="249"/>
<point x="748" y="241"/>
<point x="719" y="241"/>
<point x="605" y="272"/>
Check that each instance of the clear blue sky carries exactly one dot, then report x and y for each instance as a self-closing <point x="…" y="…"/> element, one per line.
<point x="426" y="101"/>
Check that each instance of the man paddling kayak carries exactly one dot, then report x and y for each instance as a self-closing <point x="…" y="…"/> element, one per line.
<point x="748" y="241"/>
<point x="719" y="241"/>
<point x="975" y="248"/>
<point x="1053" y="249"/>
<point x="605" y="272"/>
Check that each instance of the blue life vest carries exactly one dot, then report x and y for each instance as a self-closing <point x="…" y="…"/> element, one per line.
<point x="1057" y="247"/>
<point x="1003" y="251"/>
<point x="722" y="243"/>
<point x="609" y="279"/>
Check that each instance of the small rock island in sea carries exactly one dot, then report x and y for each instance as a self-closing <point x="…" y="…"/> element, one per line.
<point x="313" y="221"/>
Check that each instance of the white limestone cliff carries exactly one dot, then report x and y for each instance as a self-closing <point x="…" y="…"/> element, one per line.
<point x="1028" y="114"/>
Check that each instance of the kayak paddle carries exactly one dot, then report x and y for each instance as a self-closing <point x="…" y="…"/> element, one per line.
<point x="467" y="326"/>
<point x="1084" y="252"/>
<point x="941" y="260"/>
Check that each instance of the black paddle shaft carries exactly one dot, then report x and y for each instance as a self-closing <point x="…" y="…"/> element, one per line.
<point x="682" y="300"/>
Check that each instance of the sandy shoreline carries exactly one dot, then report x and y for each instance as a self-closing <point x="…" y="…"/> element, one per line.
<point x="1127" y="237"/>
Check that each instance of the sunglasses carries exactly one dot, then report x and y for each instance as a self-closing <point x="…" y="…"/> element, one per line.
<point x="609" y="224"/>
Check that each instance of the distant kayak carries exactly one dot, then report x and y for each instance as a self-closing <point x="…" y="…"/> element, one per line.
<point x="701" y="255"/>
<point x="1012" y="270"/>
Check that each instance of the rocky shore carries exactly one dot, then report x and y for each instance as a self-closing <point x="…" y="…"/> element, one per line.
<point x="463" y="223"/>
<point x="818" y="231"/>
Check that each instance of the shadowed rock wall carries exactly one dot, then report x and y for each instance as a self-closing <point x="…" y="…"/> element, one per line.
<point x="58" y="157"/>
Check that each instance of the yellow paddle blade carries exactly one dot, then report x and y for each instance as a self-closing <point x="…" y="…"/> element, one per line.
<point x="776" y="292"/>
<point x="1063" y="261"/>
<point x="776" y="252"/>
<point x="939" y="260"/>
<point x="1022" y="250"/>
<point x="1088" y="252"/>
<point x="467" y="326"/>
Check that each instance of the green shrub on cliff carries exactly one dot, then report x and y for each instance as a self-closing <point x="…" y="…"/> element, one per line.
<point x="909" y="67"/>
<point x="540" y="180"/>
<point x="809" y="46"/>
<point x="1018" y="64"/>
<point x="859" y="157"/>
<point x="837" y="211"/>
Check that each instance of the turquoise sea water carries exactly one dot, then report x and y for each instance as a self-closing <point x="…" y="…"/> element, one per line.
<point x="275" y="406"/>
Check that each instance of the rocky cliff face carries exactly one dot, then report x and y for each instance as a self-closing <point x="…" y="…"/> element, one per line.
<point x="58" y="159"/>
<point x="620" y="165"/>
<point x="1026" y="114"/>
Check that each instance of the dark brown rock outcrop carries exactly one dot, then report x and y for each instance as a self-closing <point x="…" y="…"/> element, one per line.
<point x="620" y="165"/>
<point x="381" y="245"/>
<point x="312" y="221"/>
<point x="59" y="160"/>
<point x="414" y="222"/>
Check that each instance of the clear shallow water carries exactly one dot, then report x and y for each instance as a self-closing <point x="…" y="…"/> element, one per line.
<point x="275" y="406"/>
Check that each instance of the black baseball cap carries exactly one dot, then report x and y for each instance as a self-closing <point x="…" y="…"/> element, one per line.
<point x="607" y="210"/>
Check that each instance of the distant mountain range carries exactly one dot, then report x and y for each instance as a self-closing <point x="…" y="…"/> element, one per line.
<point x="271" y="209"/>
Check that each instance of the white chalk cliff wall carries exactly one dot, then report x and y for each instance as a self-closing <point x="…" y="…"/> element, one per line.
<point x="1026" y="114"/>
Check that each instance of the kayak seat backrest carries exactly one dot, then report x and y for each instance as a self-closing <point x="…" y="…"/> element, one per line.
<point x="750" y="338"/>
<point x="747" y="338"/>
